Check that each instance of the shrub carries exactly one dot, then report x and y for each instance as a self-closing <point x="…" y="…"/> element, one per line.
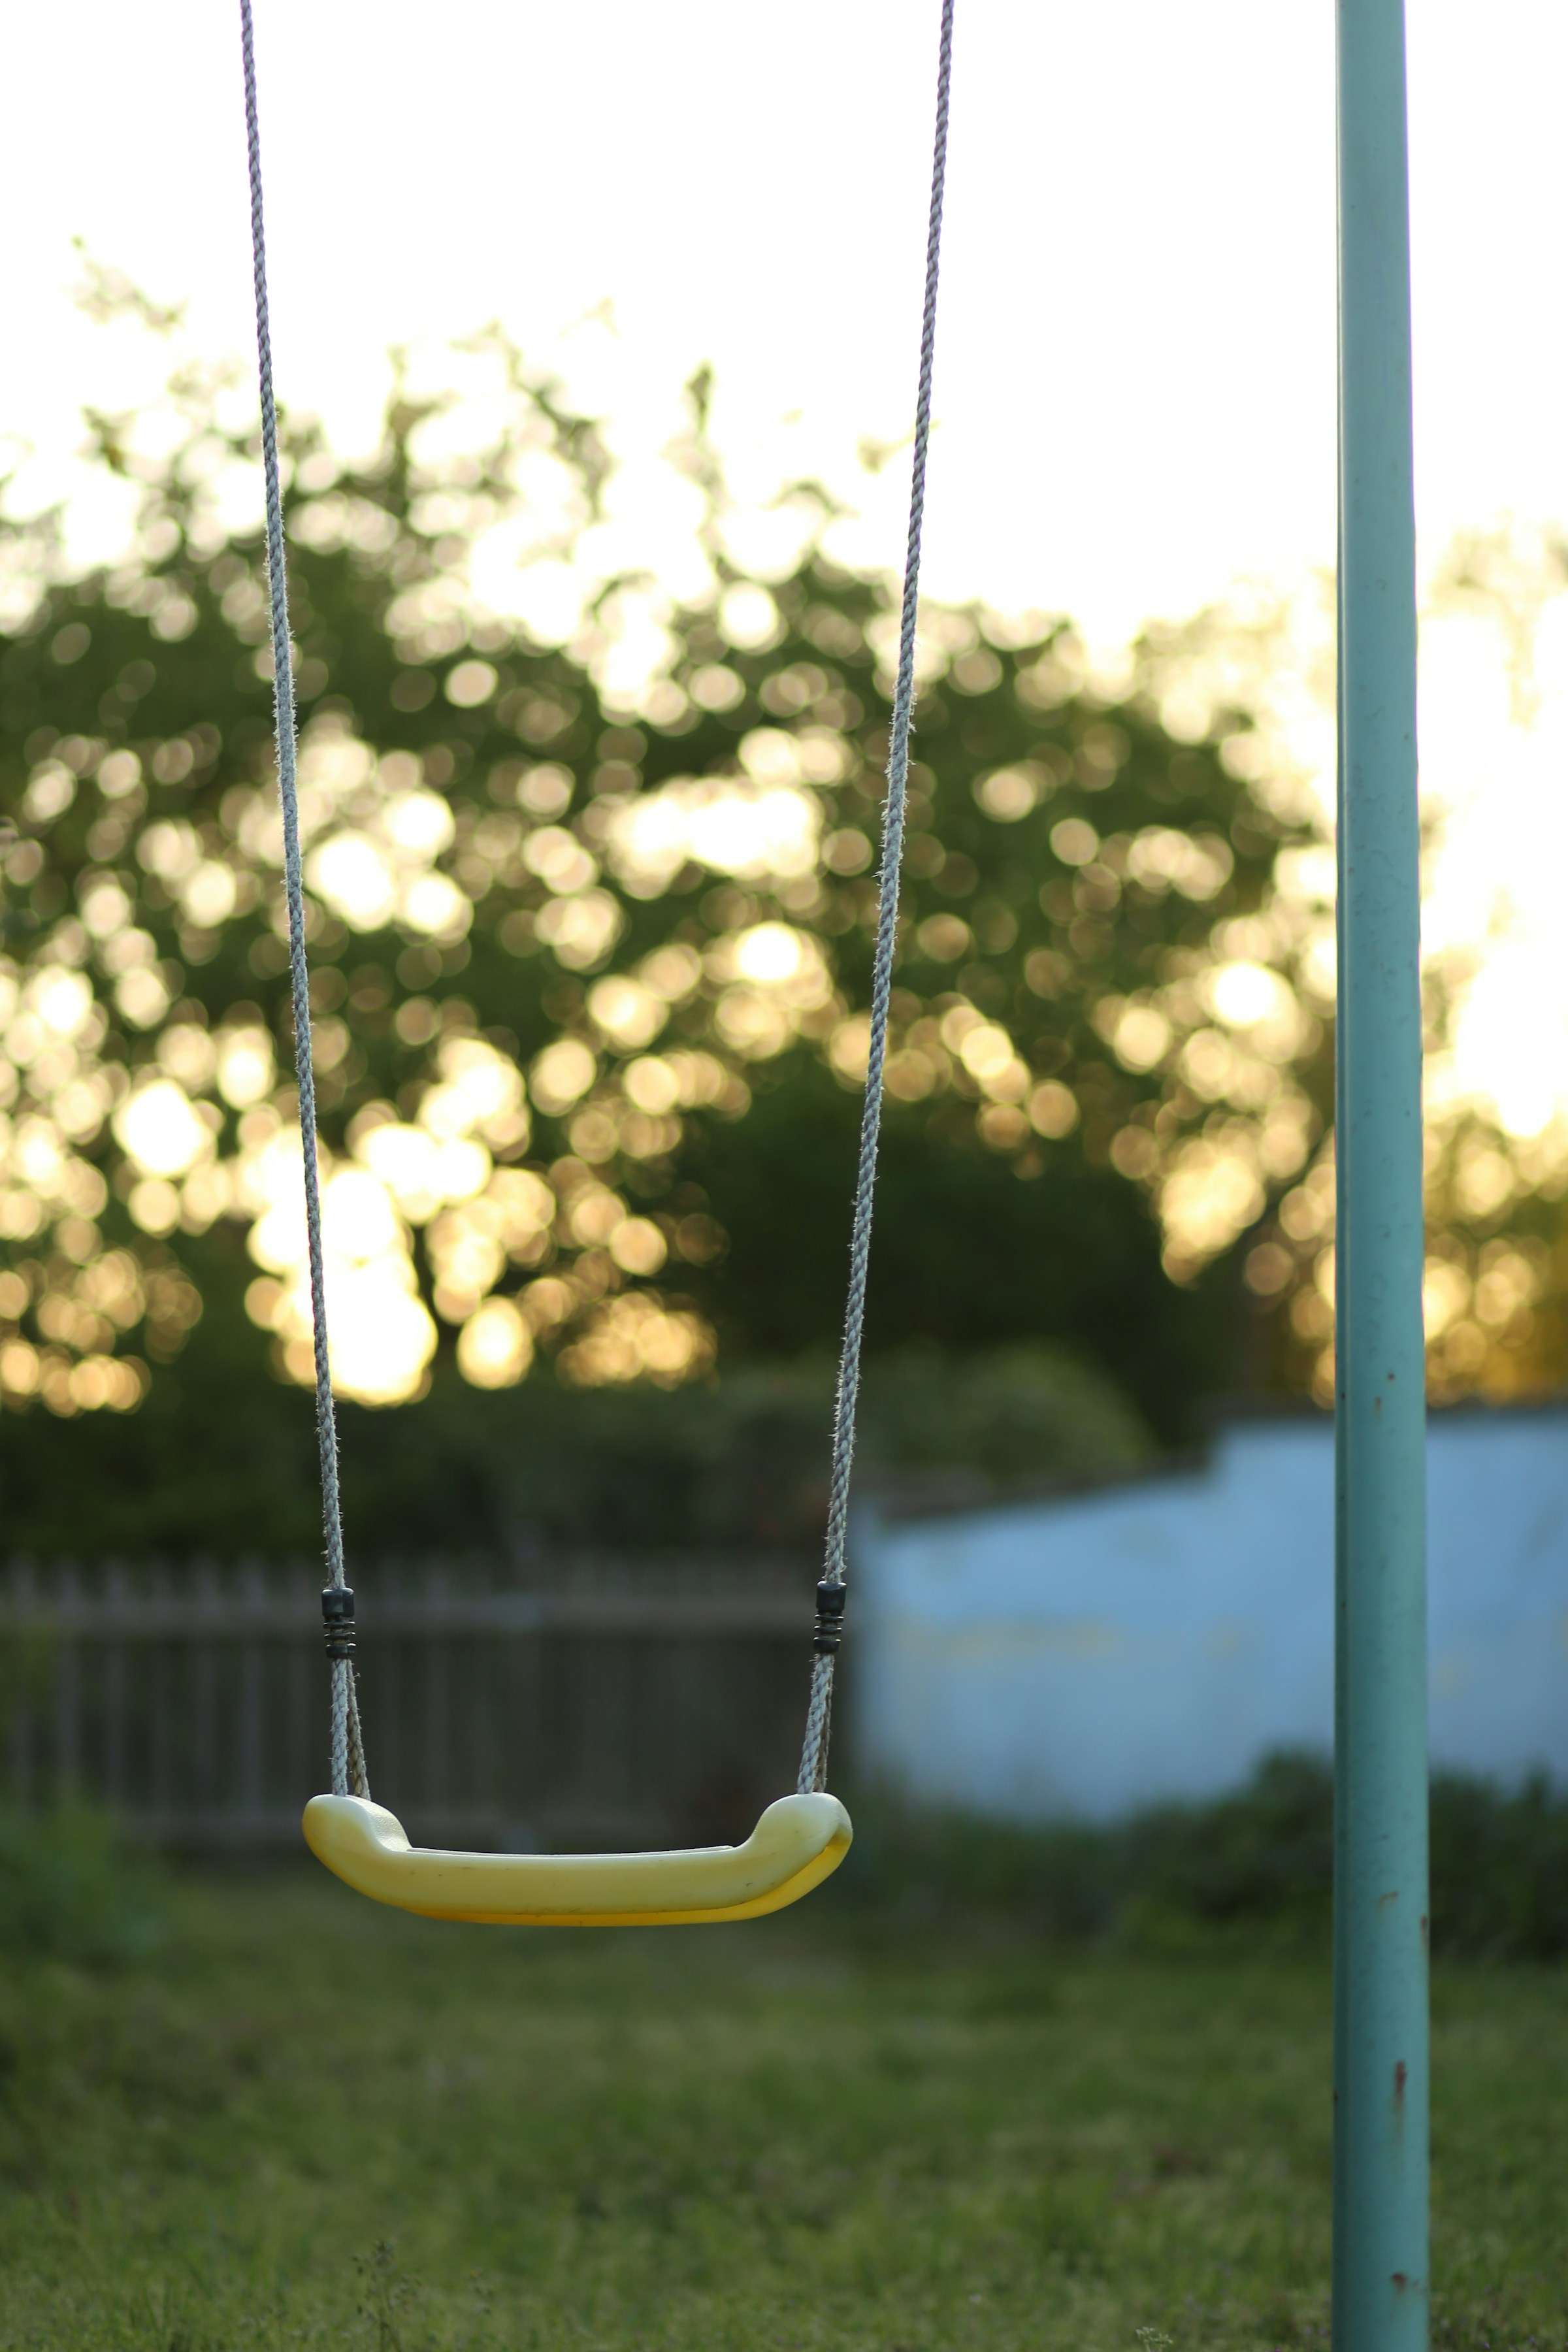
<point x="1499" y="1870"/>
<point x="71" y="1889"/>
<point x="1259" y="1860"/>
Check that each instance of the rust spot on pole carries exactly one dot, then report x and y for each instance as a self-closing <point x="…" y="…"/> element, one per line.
<point x="1401" y="2074"/>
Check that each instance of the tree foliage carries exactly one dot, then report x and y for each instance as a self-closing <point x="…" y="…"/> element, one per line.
<point x="590" y="926"/>
<point x="1496" y="1114"/>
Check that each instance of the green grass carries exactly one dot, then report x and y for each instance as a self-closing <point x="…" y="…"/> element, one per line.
<point x="306" y="2121"/>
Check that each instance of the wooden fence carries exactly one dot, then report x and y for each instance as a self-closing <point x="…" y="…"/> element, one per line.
<point x="595" y="1701"/>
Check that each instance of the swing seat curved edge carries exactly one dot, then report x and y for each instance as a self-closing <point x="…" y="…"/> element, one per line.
<point x="798" y="1843"/>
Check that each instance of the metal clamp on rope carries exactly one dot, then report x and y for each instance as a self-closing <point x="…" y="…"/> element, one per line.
<point x="338" y="1613"/>
<point x="829" y="1619"/>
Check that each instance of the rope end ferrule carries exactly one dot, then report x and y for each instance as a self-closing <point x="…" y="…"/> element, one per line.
<point x="829" y="1631"/>
<point x="338" y="1618"/>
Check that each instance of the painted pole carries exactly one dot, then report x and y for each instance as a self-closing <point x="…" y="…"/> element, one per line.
<point x="1380" y="2256"/>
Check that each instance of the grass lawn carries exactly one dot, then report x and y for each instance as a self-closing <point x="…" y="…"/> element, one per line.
<point x="309" y="2121"/>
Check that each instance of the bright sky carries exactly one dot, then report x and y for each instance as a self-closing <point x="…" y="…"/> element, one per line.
<point x="1135" y="372"/>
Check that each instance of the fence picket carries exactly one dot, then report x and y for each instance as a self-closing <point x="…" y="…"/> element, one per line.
<point x="604" y="1700"/>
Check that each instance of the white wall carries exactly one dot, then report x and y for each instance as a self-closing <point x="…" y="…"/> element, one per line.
<point x="1155" y="1639"/>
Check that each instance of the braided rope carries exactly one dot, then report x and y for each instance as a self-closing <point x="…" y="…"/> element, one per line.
<point x="347" y="1745"/>
<point x="813" y="1753"/>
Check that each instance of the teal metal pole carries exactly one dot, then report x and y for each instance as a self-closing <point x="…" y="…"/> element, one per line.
<point x="1379" y="2259"/>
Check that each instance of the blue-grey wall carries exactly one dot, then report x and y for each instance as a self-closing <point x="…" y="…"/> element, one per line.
<point x="1154" y="1640"/>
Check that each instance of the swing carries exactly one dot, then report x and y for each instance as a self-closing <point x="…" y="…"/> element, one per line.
<point x="800" y="1839"/>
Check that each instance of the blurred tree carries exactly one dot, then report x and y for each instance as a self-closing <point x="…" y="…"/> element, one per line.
<point x="1495" y="697"/>
<point x="590" y="928"/>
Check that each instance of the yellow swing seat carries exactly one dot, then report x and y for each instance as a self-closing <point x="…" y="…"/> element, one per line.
<point x="798" y="1843"/>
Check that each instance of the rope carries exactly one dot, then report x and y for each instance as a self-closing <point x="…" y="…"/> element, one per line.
<point x="347" y="1745"/>
<point x="347" y="1750"/>
<point x="814" y="1754"/>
